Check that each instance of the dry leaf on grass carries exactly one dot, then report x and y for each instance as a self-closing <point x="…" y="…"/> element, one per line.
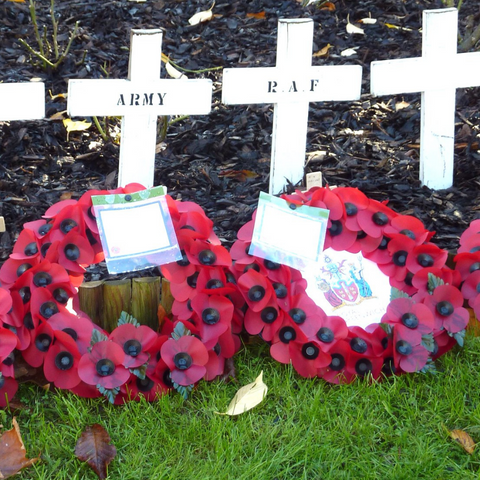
<point x="12" y="452"/>
<point x="73" y="126"/>
<point x="94" y="447"/>
<point x="464" y="439"/>
<point x="247" y="397"/>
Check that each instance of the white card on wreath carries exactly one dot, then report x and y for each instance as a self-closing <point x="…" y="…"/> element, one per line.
<point x="136" y="230"/>
<point x="287" y="233"/>
<point x="350" y="286"/>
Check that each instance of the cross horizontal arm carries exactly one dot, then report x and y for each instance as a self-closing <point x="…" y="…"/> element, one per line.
<point x="22" y="101"/>
<point x="122" y="97"/>
<point x="274" y="85"/>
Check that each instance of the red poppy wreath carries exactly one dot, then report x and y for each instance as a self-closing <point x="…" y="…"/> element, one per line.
<point x="42" y="322"/>
<point x="216" y="299"/>
<point x="424" y="319"/>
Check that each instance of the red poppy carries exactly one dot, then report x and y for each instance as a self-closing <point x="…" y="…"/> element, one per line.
<point x="193" y="225"/>
<point x="400" y="248"/>
<point x="147" y="387"/>
<point x="467" y="263"/>
<point x="409" y="226"/>
<point x="375" y="218"/>
<point x="103" y="365"/>
<point x="27" y="247"/>
<point x="443" y="343"/>
<point x="214" y="314"/>
<point x="288" y="333"/>
<point x="61" y="362"/>
<point x="12" y="269"/>
<point x="339" y="237"/>
<point x="409" y="357"/>
<point x="8" y="343"/>
<point x="177" y="272"/>
<point x="186" y="358"/>
<point x="135" y="341"/>
<point x="336" y="372"/>
<point x="182" y="310"/>
<point x="79" y="328"/>
<point x="471" y="244"/>
<point x="215" y="281"/>
<point x="306" y="314"/>
<point x="446" y="303"/>
<point x="226" y="347"/>
<point x="266" y="322"/>
<point x="42" y="339"/>
<point x="332" y="329"/>
<point x="425" y="256"/>
<point x="420" y="280"/>
<point x="326" y="198"/>
<point x="6" y="303"/>
<point x="186" y="289"/>
<point x="309" y="358"/>
<point x="67" y="219"/>
<point x="471" y="287"/>
<point x="8" y="389"/>
<point x="255" y="289"/>
<point x="44" y="305"/>
<point x="208" y="255"/>
<point x="411" y="320"/>
<point x="353" y="200"/>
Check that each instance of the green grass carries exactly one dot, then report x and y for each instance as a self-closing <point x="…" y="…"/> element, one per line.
<point x="305" y="429"/>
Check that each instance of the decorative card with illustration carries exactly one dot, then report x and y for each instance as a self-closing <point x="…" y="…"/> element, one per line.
<point x="350" y="286"/>
<point x="136" y="230"/>
<point x="287" y="233"/>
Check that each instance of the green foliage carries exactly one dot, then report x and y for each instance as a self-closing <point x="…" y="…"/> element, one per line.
<point x="109" y="393"/>
<point x="433" y="283"/>
<point x="127" y="318"/>
<point x="48" y="50"/>
<point x="97" y="336"/>
<point x="183" y="390"/>
<point x="428" y="342"/>
<point x="460" y="337"/>
<point x="396" y="293"/>
<point x="140" y="372"/>
<point x="180" y="331"/>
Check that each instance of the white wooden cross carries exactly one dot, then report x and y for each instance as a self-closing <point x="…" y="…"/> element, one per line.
<point x="139" y="100"/>
<point x="437" y="74"/>
<point x="290" y="86"/>
<point x="22" y="101"/>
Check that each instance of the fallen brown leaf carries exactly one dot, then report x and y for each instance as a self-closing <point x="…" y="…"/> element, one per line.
<point x="464" y="439"/>
<point x="258" y="16"/>
<point x="94" y="447"/>
<point x="12" y="452"/>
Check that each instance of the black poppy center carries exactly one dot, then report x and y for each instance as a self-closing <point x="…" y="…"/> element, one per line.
<point x="425" y="260"/>
<point x="298" y="315"/>
<point x="358" y="345"/>
<point x="214" y="283"/>
<point x="337" y="363"/>
<point x="475" y="266"/>
<point x="145" y="384"/>
<point x="310" y="351"/>
<point x="44" y="229"/>
<point x="42" y="279"/>
<point x="184" y="261"/>
<point x="361" y="235"/>
<point x="43" y="342"/>
<point x="31" y="249"/>
<point x="325" y="335"/>
<point x="48" y="309"/>
<point x="132" y="347"/>
<point x="363" y="366"/>
<point x="280" y="290"/>
<point x="192" y="280"/>
<point x="400" y="258"/>
<point x="23" y="268"/>
<point x="2" y="381"/>
<point x="287" y="334"/>
<point x="351" y="209"/>
<point x="28" y="321"/>
<point x="211" y="316"/>
<point x="380" y="219"/>
<point x="207" y="257"/>
<point x="64" y="361"/>
<point x="251" y="266"/>
<point x="271" y="265"/>
<point x="336" y="228"/>
<point x="269" y="315"/>
<point x="67" y="224"/>
<point x="256" y="293"/>
<point x="444" y="308"/>
<point x="60" y="295"/>
<point x="410" y="320"/>
<point x="403" y="347"/>
<point x="25" y="294"/>
<point x="72" y="252"/>
<point x="384" y="243"/>
<point x="182" y="360"/>
<point x="44" y="249"/>
<point x="105" y="367"/>
<point x="408" y="233"/>
<point x="71" y="332"/>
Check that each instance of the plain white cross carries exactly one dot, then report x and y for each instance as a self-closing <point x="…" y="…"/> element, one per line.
<point x="291" y="86"/>
<point x="437" y="74"/>
<point x="139" y="101"/>
<point x="22" y="101"/>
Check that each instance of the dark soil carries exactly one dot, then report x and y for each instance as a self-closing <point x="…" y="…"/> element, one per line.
<point x="221" y="160"/>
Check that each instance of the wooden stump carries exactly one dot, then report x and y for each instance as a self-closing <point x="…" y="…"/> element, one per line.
<point x="104" y="301"/>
